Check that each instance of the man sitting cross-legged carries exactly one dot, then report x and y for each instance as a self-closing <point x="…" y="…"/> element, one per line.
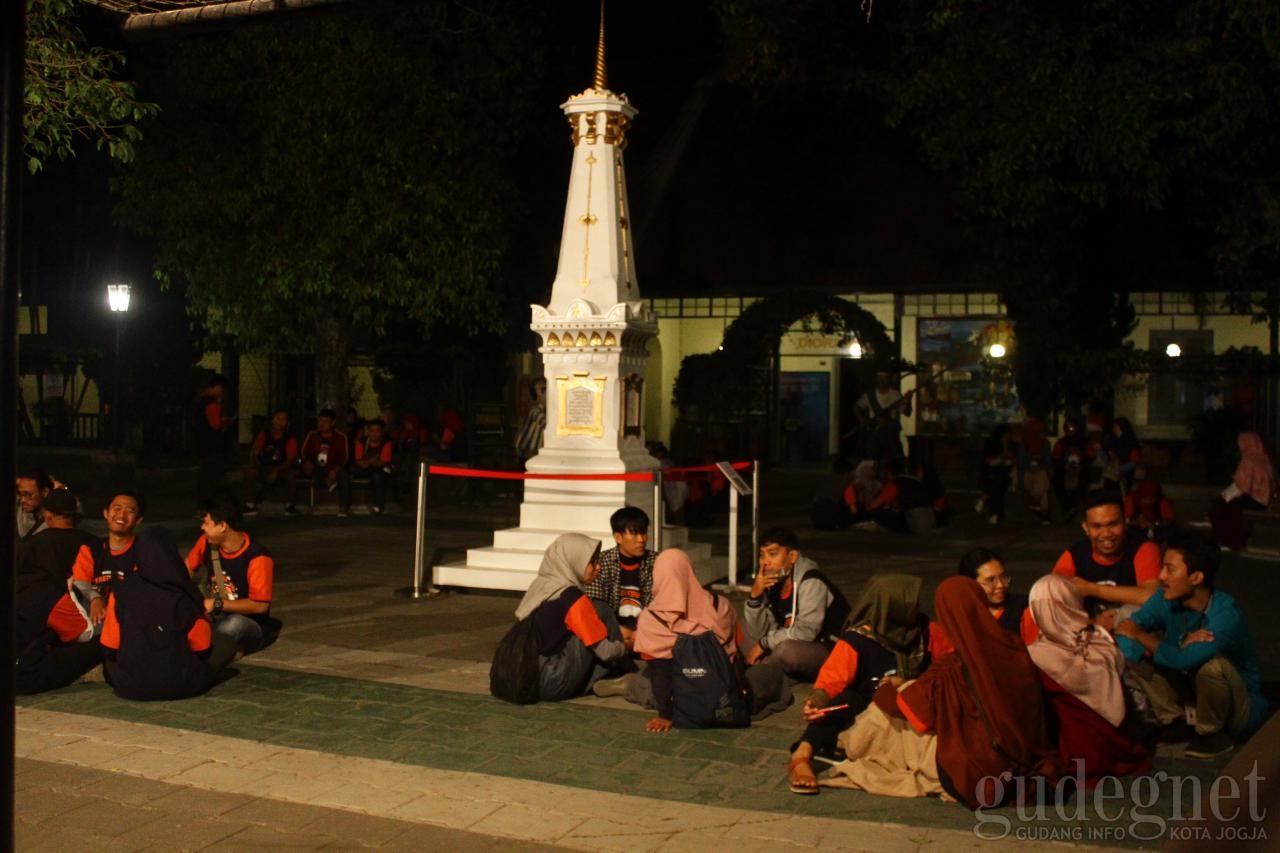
<point x="1197" y="639"/>
<point x="235" y="574"/>
<point x="625" y="581"/>
<point x="793" y="618"/>
<point x="794" y="614"/>
<point x="1111" y="567"/>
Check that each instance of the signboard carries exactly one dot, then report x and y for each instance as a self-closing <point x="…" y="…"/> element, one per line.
<point x="964" y="389"/>
<point x="735" y="479"/>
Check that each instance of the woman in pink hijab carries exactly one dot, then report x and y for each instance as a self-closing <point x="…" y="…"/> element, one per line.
<point x="1080" y="667"/>
<point x="1252" y="488"/>
<point x="679" y="606"/>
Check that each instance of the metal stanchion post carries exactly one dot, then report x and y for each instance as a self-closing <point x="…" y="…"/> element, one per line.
<point x="755" y="508"/>
<point x="420" y="531"/>
<point x="733" y="537"/>
<point x="659" y="515"/>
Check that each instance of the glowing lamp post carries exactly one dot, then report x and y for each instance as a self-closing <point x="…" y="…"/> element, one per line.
<point x="118" y="299"/>
<point x="997" y="351"/>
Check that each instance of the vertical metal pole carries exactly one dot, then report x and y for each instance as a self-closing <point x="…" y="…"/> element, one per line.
<point x="420" y="530"/>
<point x="733" y="536"/>
<point x="12" y="36"/>
<point x="115" y="393"/>
<point x="659" y="513"/>
<point x="755" y="508"/>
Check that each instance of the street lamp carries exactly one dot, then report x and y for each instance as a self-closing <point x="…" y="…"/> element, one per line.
<point x="118" y="299"/>
<point x="997" y="351"/>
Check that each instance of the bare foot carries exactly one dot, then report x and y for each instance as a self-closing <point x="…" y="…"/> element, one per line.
<point x="800" y="775"/>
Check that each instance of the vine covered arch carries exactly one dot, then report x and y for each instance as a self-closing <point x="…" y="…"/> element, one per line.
<point x="735" y="385"/>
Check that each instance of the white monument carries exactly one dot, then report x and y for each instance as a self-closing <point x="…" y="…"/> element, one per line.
<point x="594" y="335"/>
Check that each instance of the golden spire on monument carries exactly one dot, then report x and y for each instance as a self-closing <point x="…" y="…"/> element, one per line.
<point x="599" y="83"/>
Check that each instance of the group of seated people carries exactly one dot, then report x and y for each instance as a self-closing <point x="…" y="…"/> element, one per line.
<point x="159" y="625"/>
<point x="1124" y="644"/>
<point x="329" y="459"/>
<point x="902" y="496"/>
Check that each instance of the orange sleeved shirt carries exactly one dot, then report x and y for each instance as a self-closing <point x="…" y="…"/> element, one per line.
<point x="213" y="416"/>
<point x="1028" y="628"/>
<point x="939" y="643"/>
<point x="260" y="571"/>
<point x="384" y="451"/>
<point x="584" y="622"/>
<point x="838" y="672"/>
<point x="82" y="568"/>
<point x="1146" y="563"/>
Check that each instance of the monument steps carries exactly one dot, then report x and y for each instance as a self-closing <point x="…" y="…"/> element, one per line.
<point x="512" y="568"/>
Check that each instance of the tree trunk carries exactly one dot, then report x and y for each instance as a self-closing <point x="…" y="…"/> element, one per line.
<point x="332" y="383"/>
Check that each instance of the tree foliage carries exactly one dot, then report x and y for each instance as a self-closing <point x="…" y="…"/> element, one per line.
<point x="1099" y="147"/>
<point x="72" y="90"/>
<point x="327" y="175"/>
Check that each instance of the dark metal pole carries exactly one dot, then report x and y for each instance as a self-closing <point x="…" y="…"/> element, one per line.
<point x="115" y="388"/>
<point x="12" y="39"/>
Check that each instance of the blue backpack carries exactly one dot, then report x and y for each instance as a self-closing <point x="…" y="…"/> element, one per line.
<point x="709" y="690"/>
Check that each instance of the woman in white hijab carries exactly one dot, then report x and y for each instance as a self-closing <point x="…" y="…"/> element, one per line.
<point x="577" y="637"/>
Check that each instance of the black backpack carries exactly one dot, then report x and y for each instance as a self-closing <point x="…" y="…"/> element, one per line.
<point x="513" y="676"/>
<point x="708" y="689"/>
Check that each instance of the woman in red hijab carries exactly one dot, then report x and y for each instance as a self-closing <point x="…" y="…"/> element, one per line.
<point x="984" y="702"/>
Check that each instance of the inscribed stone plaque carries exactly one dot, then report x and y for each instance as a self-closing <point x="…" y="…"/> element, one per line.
<point x="581" y="401"/>
<point x="580" y="407"/>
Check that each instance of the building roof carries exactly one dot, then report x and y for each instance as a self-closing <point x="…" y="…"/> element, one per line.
<point x="144" y="15"/>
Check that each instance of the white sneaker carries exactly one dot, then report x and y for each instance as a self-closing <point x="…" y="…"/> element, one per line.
<point x="980" y="506"/>
<point x="993" y="519"/>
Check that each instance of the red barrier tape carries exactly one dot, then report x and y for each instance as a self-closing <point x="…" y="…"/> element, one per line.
<point x="632" y="477"/>
<point x="737" y="466"/>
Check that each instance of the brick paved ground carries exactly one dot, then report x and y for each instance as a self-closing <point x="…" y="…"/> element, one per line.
<point x="369" y="723"/>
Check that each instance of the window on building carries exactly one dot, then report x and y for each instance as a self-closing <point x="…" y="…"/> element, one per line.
<point x="1172" y="397"/>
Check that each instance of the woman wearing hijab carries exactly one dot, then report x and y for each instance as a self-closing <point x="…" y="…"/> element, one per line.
<point x="577" y="637"/>
<point x="679" y="606"/>
<point x="157" y="639"/>
<point x="969" y="719"/>
<point x="884" y="637"/>
<point x="1080" y="668"/>
<point x="1252" y="488"/>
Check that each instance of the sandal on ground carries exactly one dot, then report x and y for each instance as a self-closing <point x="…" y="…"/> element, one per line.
<point x="802" y="780"/>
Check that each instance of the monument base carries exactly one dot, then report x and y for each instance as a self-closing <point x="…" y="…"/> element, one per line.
<point x="512" y="561"/>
